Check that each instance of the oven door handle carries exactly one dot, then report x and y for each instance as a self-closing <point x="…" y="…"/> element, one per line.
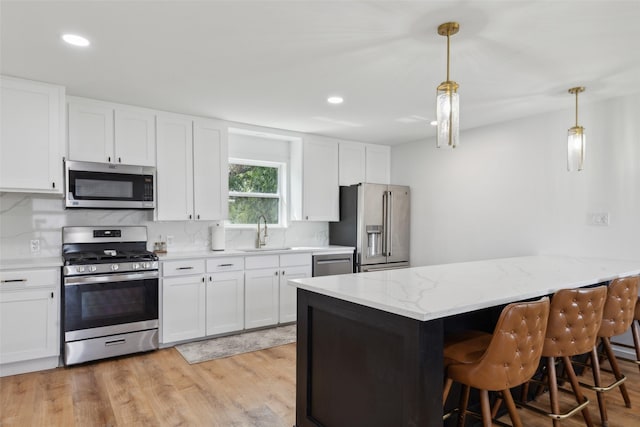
<point x="108" y="278"/>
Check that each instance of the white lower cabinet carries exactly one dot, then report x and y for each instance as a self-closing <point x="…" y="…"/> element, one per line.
<point x="225" y="295"/>
<point x="294" y="266"/>
<point x="214" y="296"/>
<point x="183" y="300"/>
<point x="29" y="320"/>
<point x="261" y="297"/>
<point x="269" y="298"/>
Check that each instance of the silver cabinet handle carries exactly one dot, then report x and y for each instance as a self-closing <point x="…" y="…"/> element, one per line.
<point x="225" y="265"/>
<point x="184" y="268"/>
<point x="115" y="342"/>
<point x="333" y="261"/>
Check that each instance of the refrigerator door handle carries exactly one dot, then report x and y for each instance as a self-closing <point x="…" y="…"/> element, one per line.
<point x="385" y="221"/>
<point x="387" y="227"/>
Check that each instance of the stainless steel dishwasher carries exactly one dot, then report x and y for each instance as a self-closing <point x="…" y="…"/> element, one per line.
<point x="330" y="264"/>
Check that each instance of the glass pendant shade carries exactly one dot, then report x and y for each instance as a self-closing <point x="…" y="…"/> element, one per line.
<point x="448" y="114"/>
<point x="575" y="149"/>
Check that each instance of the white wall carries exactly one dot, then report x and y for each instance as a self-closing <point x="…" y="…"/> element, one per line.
<point x="505" y="190"/>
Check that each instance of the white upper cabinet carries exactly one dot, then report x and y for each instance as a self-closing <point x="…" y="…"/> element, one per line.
<point x="210" y="170"/>
<point x="360" y="162"/>
<point x="352" y="163"/>
<point x="378" y="160"/>
<point x="32" y="136"/>
<point x="90" y="131"/>
<point x="135" y="136"/>
<point x="314" y="181"/>
<point x="175" y="168"/>
<point x="192" y="169"/>
<point x="111" y="133"/>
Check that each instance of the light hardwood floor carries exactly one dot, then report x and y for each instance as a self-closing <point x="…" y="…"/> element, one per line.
<point x="161" y="389"/>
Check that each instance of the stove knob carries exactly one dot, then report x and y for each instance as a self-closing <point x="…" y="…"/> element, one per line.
<point x="115" y="267"/>
<point x="146" y="265"/>
<point x="92" y="268"/>
<point x="80" y="269"/>
<point x="136" y="266"/>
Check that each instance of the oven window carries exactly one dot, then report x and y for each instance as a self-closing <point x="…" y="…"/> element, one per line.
<point x="113" y="303"/>
<point x="104" y="188"/>
<point x="94" y="305"/>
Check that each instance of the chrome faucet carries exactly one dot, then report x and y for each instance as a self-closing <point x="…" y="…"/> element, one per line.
<point x="261" y="241"/>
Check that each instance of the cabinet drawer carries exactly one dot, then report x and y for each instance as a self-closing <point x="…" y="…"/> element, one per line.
<point x="215" y="265"/>
<point x="183" y="267"/>
<point x="28" y="278"/>
<point x="295" y="259"/>
<point x="262" y="261"/>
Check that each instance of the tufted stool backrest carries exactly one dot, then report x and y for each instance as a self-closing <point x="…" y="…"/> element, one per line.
<point x="619" y="306"/>
<point x="574" y="320"/>
<point x="514" y="352"/>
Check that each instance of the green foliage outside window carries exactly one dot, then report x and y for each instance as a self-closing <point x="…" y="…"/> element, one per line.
<point x="254" y="181"/>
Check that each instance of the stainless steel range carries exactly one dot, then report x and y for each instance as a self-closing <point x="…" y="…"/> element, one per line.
<point x="109" y="293"/>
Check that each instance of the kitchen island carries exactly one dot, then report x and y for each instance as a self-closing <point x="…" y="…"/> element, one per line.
<point x="369" y="347"/>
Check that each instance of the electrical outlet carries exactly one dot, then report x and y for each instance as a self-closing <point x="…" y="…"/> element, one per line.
<point x="169" y="240"/>
<point x="34" y="245"/>
<point x="599" y="218"/>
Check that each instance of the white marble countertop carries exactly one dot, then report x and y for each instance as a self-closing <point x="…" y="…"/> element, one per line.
<point x="314" y="250"/>
<point x="30" y="263"/>
<point x="432" y="292"/>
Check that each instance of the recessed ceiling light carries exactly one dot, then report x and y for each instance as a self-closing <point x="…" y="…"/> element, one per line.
<point x="335" y="100"/>
<point x="433" y="123"/>
<point x="75" y="40"/>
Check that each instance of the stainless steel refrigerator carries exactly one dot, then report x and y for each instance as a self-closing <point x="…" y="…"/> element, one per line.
<point x="375" y="219"/>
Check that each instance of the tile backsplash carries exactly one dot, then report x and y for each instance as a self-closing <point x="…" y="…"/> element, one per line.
<point x="26" y="217"/>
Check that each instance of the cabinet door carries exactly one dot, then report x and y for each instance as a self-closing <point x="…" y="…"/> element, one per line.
<point x="183" y="308"/>
<point x="288" y="305"/>
<point x="225" y="302"/>
<point x="378" y="164"/>
<point x="90" y="131"/>
<point x="31" y="136"/>
<point x="29" y="327"/>
<point x="135" y="137"/>
<point x="352" y="163"/>
<point x="210" y="170"/>
<point x="320" y="180"/>
<point x="261" y="297"/>
<point x="175" y="168"/>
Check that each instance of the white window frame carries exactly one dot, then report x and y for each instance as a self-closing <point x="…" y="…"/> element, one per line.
<point x="281" y="194"/>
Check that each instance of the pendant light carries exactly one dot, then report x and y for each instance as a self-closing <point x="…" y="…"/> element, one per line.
<point x="575" y="140"/>
<point x="447" y="101"/>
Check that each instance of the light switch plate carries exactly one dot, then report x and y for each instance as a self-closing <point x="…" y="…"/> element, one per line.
<point x="599" y="219"/>
<point x="34" y="246"/>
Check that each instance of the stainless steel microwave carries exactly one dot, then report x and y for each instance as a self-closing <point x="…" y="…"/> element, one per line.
<point x="108" y="186"/>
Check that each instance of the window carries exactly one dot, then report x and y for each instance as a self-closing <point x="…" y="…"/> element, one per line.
<point x="255" y="189"/>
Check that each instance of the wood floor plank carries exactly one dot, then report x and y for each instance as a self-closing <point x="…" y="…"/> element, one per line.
<point x="161" y="389"/>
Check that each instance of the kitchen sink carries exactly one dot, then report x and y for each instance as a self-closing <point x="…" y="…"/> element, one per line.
<point x="265" y="249"/>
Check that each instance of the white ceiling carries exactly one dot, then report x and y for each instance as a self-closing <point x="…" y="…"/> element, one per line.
<point x="273" y="63"/>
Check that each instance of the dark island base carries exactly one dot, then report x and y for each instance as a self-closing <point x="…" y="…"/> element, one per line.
<point x="358" y="366"/>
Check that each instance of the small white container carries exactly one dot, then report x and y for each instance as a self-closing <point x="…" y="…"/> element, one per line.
<point x="217" y="236"/>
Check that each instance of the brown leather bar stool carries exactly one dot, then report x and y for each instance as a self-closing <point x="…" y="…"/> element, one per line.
<point x="498" y="362"/>
<point x="618" y="315"/>
<point x="574" y="321"/>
